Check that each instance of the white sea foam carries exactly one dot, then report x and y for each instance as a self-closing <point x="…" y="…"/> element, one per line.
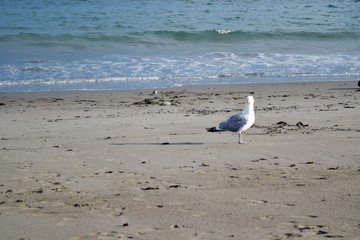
<point x="170" y="70"/>
<point x="224" y="31"/>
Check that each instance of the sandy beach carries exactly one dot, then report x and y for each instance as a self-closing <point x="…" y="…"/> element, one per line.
<point x="137" y="165"/>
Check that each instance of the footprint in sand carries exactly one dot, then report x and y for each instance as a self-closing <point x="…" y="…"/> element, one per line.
<point x="252" y="201"/>
<point x="105" y="235"/>
<point x="66" y="221"/>
<point x="256" y="202"/>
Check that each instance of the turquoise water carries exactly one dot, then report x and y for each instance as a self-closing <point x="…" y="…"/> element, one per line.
<point x="68" y="45"/>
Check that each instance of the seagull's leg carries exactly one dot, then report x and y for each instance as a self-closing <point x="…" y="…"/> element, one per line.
<point x="240" y="141"/>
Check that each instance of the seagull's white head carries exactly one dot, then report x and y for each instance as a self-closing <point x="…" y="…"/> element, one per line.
<point x="250" y="100"/>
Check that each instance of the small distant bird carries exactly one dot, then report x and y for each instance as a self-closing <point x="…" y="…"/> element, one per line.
<point x="238" y="122"/>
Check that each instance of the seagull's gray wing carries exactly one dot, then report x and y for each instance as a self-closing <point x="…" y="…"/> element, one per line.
<point x="234" y="123"/>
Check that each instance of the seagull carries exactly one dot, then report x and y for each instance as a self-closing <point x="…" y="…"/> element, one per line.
<point x="238" y="122"/>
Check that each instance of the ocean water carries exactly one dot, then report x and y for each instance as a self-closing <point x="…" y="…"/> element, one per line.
<point x="119" y="44"/>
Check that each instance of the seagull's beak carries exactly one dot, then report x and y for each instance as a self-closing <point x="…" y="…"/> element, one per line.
<point x="248" y="101"/>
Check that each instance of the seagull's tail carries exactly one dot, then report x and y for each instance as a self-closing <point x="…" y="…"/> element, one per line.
<point x="212" y="129"/>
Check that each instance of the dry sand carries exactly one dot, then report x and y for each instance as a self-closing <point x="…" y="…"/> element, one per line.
<point x="122" y="165"/>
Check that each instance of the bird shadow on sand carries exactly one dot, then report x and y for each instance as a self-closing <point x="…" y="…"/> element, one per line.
<point x="160" y="144"/>
<point x="345" y="89"/>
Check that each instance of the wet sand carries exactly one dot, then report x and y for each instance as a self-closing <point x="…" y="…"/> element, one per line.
<point x="135" y="165"/>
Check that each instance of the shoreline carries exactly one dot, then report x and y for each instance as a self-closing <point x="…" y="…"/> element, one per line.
<point x="198" y="87"/>
<point x="111" y="164"/>
<point x="184" y="86"/>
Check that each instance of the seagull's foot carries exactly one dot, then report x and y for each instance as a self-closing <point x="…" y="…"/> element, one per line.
<point x="242" y="142"/>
